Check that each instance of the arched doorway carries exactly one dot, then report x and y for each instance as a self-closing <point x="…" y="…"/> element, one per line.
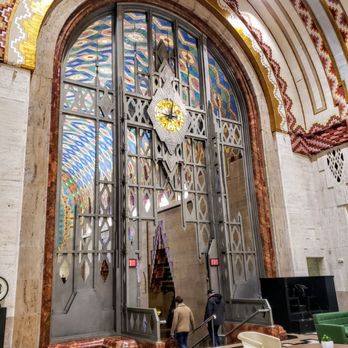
<point x="153" y="130"/>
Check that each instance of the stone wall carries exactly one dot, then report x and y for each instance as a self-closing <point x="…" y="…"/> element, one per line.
<point x="14" y="100"/>
<point x="332" y="169"/>
<point x="315" y="205"/>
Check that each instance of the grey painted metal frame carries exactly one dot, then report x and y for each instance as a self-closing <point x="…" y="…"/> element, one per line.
<point x="91" y="242"/>
<point x="244" y="307"/>
<point x="205" y="130"/>
<point x="143" y="323"/>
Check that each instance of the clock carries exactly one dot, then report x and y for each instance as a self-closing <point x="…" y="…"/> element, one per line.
<point x="3" y="288"/>
<point x="168" y="113"/>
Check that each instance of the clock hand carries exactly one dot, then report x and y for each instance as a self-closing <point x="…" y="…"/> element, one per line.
<point x="171" y="110"/>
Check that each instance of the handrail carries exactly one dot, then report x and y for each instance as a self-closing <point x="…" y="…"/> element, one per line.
<point x="261" y="310"/>
<point x="206" y="321"/>
<point x="239" y="308"/>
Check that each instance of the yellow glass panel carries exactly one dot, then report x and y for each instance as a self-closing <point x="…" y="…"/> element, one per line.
<point x="169" y="115"/>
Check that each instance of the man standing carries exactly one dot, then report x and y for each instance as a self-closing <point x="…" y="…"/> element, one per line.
<point x="183" y="321"/>
<point x="215" y="306"/>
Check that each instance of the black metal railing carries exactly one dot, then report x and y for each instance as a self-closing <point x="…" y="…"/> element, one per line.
<point x="261" y="310"/>
<point x="208" y="321"/>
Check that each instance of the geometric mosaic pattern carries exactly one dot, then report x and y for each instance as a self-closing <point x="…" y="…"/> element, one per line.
<point x="339" y="20"/>
<point x="337" y="88"/>
<point x="136" y="55"/>
<point x="24" y="25"/>
<point x="319" y="137"/>
<point x="6" y="8"/>
<point x="189" y="68"/>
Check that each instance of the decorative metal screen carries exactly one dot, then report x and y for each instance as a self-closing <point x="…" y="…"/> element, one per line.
<point x="168" y="135"/>
<point x="84" y="277"/>
<point x="235" y="230"/>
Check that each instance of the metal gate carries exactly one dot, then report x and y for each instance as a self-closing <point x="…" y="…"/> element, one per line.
<point x="150" y="118"/>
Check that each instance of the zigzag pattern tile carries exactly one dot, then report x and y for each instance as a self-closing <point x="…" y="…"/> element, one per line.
<point x="319" y="137"/>
<point x="337" y="89"/>
<point x="5" y="14"/>
<point x="274" y="64"/>
<point x="340" y="18"/>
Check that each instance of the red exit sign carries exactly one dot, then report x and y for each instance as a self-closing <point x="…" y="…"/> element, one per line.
<point x="132" y="263"/>
<point x="214" y="262"/>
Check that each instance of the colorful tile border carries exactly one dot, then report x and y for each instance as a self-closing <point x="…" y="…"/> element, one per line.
<point x="338" y="88"/>
<point x="319" y="137"/>
<point x="26" y="21"/>
<point x="6" y="9"/>
<point x="339" y="20"/>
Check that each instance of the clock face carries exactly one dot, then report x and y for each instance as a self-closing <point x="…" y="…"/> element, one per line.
<point x="3" y="288"/>
<point x="167" y="111"/>
<point x="169" y="115"/>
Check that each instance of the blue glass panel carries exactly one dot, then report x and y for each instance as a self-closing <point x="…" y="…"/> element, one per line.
<point x="222" y="96"/>
<point x="132" y="141"/>
<point x="189" y="66"/>
<point x="92" y="49"/>
<point x="162" y="30"/>
<point x="145" y="142"/>
<point x="105" y="151"/>
<point x="77" y="174"/>
<point x="136" y="57"/>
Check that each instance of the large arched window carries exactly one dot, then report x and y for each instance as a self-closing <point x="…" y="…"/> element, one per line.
<point x="153" y="171"/>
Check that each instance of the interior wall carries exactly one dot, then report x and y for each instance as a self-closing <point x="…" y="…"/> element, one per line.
<point x="331" y="167"/>
<point x="31" y="319"/>
<point x="316" y="209"/>
<point x="14" y="102"/>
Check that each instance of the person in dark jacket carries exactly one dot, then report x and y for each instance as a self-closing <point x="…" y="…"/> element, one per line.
<point x="215" y="306"/>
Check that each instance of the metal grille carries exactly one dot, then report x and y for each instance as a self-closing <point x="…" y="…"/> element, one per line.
<point x="117" y="174"/>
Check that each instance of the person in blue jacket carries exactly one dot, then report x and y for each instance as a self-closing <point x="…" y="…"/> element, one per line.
<point x="215" y="306"/>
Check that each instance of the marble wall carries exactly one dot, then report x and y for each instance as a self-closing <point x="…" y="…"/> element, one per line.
<point x="14" y="102"/>
<point x="315" y="205"/>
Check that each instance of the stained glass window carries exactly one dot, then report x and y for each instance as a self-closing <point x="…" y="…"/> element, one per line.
<point x="77" y="173"/>
<point x="221" y="92"/>
<point x="105" y="151"/>
<point x="162" y="30"/>
<point x="91" y="55"/>
<point x="136" y="57"/>
<point x="189" y="68"/>
<point x="157" y="182"/>
<point x="87" y="156"/>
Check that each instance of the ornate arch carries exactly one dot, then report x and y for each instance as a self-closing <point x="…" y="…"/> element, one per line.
<point x="85" y="8"/>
